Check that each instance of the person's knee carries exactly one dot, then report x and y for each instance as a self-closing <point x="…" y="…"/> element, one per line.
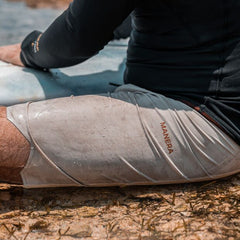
<point x="14" y="150"/>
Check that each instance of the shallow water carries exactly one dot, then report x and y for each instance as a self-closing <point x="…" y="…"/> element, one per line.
<point x="17" y="20"/>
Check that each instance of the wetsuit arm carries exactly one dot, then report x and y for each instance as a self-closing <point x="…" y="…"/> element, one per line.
<point x="124" y="30"/>
<point x="78" y="34"/>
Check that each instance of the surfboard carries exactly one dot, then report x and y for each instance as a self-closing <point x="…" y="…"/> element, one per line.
<point x="100" y="74"/>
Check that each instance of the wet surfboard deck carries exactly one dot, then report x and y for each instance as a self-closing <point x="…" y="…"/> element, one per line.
<point x="100" y="74"/>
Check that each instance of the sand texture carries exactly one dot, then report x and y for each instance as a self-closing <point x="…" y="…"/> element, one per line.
<point x="209" y="210"/>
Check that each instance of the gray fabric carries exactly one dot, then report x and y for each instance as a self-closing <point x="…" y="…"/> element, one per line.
<point x="129" y="137"/>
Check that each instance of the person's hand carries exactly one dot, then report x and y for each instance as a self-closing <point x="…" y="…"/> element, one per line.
<point x="11" y="54"/>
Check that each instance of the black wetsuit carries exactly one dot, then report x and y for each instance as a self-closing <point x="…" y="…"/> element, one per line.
<point x="185" y="49"/>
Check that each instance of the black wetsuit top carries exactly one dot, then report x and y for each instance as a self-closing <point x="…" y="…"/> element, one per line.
<point x="185" y="49"/>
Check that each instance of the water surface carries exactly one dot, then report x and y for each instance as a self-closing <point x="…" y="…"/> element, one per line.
<point x="17" y="20"/>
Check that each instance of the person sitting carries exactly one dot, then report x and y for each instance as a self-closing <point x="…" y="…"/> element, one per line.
<point x="175" y="120"/>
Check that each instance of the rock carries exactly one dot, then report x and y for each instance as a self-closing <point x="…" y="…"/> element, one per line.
<point x="79" y="231"/>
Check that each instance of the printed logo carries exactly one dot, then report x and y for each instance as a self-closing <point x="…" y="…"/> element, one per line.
<point x="167" y="139"/>
<point x="35" y="44"/>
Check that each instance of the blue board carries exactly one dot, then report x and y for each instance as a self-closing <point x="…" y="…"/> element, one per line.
<point x="97" y="75"/>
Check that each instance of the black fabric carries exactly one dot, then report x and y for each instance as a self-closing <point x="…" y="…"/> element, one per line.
<point x="78" y="34"/>
<point x="124" y="30"/>
<point x="185" y="49"/>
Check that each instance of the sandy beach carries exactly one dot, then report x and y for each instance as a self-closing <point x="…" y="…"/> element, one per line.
<point x="188" y="211"/>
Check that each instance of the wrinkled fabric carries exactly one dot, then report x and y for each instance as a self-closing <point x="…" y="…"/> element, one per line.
<point x="129" y="137"/>
<point x="186" y="50"/>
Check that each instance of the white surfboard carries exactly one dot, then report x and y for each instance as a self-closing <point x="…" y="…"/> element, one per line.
<point x="97" y="75"/>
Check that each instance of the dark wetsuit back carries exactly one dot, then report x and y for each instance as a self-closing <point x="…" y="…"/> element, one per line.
<point x="185" y="49"/>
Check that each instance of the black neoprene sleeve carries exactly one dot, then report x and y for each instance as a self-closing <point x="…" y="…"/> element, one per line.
<point x="76" y="35"/>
